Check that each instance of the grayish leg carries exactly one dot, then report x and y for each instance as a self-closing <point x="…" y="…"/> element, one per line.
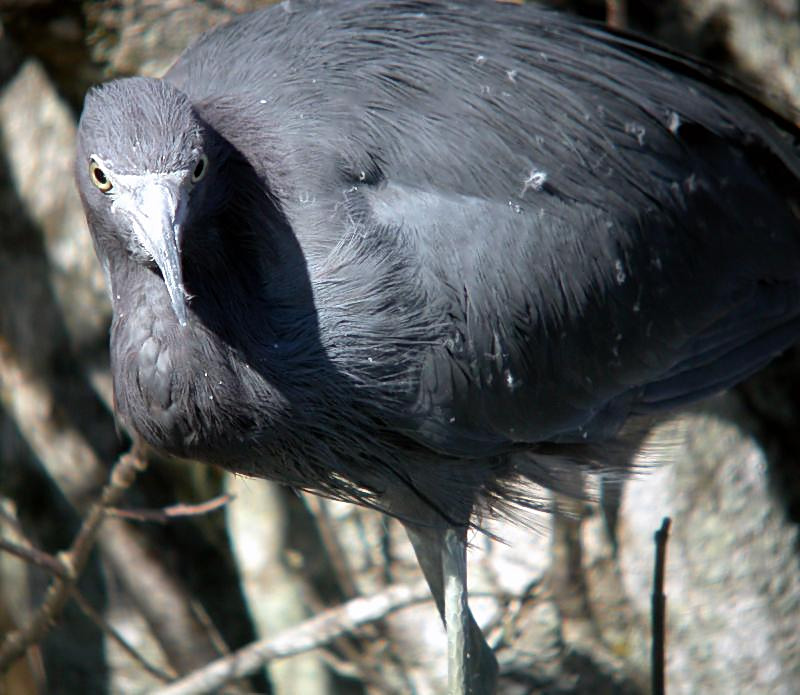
<point x="441" y="551"/>
<point x="456" y="612"/>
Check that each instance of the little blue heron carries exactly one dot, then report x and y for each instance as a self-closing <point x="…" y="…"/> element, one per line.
<point x="426" y="256"/>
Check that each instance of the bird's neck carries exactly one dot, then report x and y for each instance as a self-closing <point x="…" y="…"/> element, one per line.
<point x="192" y="388"/>
<point x="220" y="376"/>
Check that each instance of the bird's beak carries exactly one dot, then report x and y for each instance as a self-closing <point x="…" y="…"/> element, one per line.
<point x="156" y="209"/>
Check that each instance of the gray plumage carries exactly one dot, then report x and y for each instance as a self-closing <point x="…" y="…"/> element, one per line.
<point x="434" y="250"/>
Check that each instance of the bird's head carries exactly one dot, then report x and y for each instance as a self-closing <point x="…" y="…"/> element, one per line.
<point x="144" y="160"/>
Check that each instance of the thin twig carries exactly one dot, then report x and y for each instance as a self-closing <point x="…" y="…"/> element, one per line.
<point x="75" y="468"/>
<point x="73" y="561"/>
<point x="112" y="632"/>
<point x="36" y="557"/>
<point x="659" y="608"/>
<point x="330" y="541"/>
<point x="617" y="14"/>
<point x="374" y="634"/>
<point x="162" y="598"/>
<point x="356" y="660"/>
<point x="166" y="514"/>
<point x="311" y="634"/>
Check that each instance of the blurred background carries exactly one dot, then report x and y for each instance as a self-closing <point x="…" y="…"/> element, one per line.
<point x="565" y="602"/>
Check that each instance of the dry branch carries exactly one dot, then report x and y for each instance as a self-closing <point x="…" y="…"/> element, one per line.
<point x="659" y="601"/>
<point x="104" y="625"/>
<point x="36" y="557"/>
<point x="75" y="468"/>
<point x="73" y="562"/>
<point x="311" y="634"/>
<point x="173" y="511"/>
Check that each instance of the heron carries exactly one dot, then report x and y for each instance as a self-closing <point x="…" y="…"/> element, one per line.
<point x="431" y="257"/>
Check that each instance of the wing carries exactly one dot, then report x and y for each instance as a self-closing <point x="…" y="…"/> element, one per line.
<point x="564" y="321"/>
<point x="593" y="227"/>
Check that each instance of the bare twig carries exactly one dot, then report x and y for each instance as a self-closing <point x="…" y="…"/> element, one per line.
<point x="355" y="660"/>
<point x="159" y="594"/>
<point x="35" y="557"/>
<point x="617" y="13"/>
<point x="311" y="634"/>
<point x="109" y="629"/>
<point x="73" y="561"/>
<point x="166" y="514"/>
<point x="26" y="551"/>
<point x="336" y="554"/>
<point x="375" y="634"/>
<point x="658" y="609"/>
<point x="76" y="470"/>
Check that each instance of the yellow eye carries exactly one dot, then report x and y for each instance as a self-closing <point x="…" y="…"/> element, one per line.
<point x="200" y="168"/>
<point x="99" y="177"/>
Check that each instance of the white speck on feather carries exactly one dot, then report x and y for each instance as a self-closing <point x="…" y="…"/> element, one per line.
<point x="480" y="59"/>
<point x="674" y="123"/>
<point x="511" y="382"/>
<point x="637" y="130"/>
<point x="262" y="101"/>
<point x="512" y="75"/>
<point x="621" y="277"/>
<point x="535" y="181"/>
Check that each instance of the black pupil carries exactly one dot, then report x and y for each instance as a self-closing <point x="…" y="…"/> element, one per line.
<point x="198" y="169"/>
<point x="99" y="176"/>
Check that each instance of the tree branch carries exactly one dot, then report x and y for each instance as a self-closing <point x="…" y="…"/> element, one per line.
<point x="73" y="562"/>
<point x="173" y="511"/>
<point x="311" y="634"/>
<point x="659" y="601"/>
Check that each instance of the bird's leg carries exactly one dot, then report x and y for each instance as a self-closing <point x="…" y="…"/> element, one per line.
<point x="456" y="611"/>
<point x="441" y="552"/>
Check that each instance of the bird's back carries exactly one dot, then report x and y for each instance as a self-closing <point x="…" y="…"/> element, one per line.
<point x="586" y="227"/>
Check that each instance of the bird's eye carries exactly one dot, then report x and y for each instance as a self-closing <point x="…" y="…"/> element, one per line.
<point x="200" y="168"/>
<point x="99" y="177"/>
